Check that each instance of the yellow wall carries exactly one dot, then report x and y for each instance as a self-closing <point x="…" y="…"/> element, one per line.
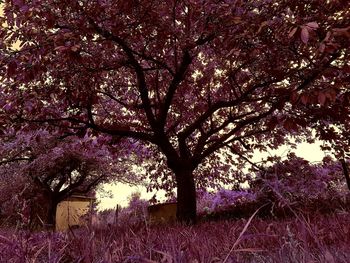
<point x="69" y="214"/>
<point x="162" y="213"/>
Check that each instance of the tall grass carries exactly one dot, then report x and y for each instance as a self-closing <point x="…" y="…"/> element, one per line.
<point x="308" y="238"/>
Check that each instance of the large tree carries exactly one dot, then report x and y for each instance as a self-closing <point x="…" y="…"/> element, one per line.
<point x="201" y="80"/>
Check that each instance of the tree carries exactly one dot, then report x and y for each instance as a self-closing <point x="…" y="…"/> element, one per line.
<point x="333" y="128"/>
<point x="328" y="113"/>
<point x="204" y="82"/>
<point x="47" y="169"/>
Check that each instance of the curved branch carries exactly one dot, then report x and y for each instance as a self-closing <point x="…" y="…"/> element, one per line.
<point x="222" y="141"/>
<point x="122" y="132"/>
<point x="141" y="80"/>
<point x="179" y="76"/>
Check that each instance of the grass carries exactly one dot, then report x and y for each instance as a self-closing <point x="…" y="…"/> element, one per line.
<point x="308" y="238"/>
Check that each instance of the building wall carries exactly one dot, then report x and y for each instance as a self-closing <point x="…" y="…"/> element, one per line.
<point x="69" y="213"/>
<point x="162" y="213"/>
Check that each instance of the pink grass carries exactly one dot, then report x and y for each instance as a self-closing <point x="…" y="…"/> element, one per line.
<point x="317" y="238"/>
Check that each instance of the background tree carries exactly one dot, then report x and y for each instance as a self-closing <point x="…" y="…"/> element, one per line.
<point x="328" y="113"/>
<point x="205" y="82"/>
<point x="42" y="169"/>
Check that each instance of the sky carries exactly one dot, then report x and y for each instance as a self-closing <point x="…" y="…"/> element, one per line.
<point x="121" y="192"/>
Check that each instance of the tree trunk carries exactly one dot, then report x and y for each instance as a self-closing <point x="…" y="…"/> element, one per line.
<point x="345" y="172"/>
<point x="51" y="212"/>
<point x="186" y="196"/>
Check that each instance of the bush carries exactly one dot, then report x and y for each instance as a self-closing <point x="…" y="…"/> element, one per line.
<point x="282" y="189"/>
<point x="298" y="184"/>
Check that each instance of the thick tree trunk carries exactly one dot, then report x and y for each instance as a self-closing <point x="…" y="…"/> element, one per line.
<point x="186" y="196"/>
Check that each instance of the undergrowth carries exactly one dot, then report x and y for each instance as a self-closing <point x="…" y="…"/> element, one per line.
<point x="304" y="238"/>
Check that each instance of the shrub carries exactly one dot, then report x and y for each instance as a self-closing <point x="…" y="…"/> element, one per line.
<point x="296" y="183"/>
<point x="282" y="189"/>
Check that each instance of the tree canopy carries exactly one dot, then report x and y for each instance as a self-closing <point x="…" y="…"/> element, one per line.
<point x="204" y="82"/>
<point x="42" y="169"/>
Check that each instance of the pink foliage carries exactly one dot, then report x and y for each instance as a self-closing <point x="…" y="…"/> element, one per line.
<point x="226" y="198"/>
<point x="284" y="186"/>
<point x="47" y="168"/>
<point x="296" y="182"/>
<point x="200" y="84"/>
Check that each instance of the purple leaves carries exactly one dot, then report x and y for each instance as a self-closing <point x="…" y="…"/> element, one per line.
<point x="39" y="162"/>
<point x="198" y="80"/>
<point x="312" y="25"/>
<point x="305" y="31"/>
<point x="304" y="35"/>
<point x="223" y="199"/>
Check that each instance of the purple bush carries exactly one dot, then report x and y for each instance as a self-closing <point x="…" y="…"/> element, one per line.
<point x="295" y="182"/>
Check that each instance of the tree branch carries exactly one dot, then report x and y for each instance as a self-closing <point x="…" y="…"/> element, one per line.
<point x="179" y="76"/>
<point x="12" y="160"/>
<point x="222" y="141"/>
<point x="141" y="81"/>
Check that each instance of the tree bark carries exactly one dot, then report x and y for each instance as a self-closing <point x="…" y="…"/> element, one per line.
<point x="51" y="212"/>
<point x="345" y="172"/>
<point x="186" y="196"/>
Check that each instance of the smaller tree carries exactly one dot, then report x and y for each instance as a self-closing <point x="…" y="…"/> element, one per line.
<point x="44" y="170"/>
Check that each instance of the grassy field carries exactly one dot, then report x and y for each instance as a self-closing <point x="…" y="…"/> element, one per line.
<point x="302" y="238"/>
